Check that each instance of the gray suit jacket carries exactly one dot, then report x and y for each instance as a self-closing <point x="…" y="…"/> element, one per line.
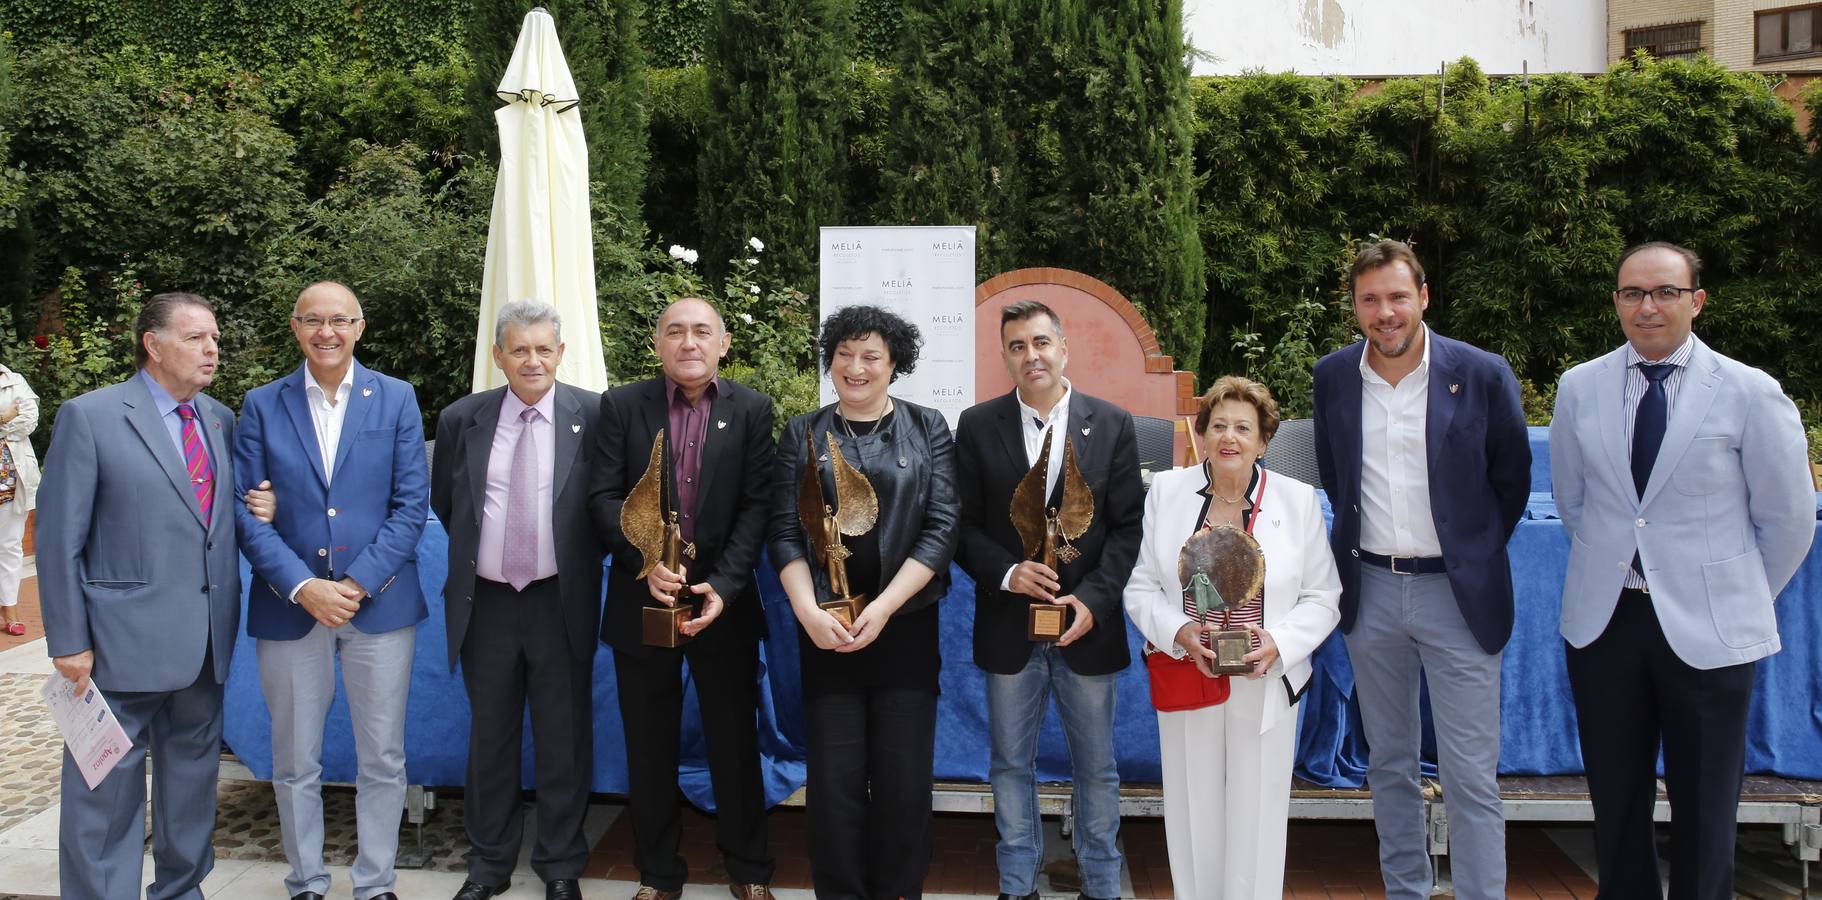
<point x="1725" y="521"/>
<point x="126" y="567"/>
<point x="458" y="493"/>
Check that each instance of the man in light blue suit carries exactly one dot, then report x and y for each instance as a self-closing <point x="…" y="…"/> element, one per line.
<point x="335" y="573"/>
<point x="140" y="587"/>
<point x="1683" y="481"/>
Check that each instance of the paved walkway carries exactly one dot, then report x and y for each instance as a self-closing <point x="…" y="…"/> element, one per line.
<point x="1326" y="859"/>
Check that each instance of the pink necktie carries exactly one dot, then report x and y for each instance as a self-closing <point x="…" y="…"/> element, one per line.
<point x="202" y="475"/>
<point x="519" y="558"/>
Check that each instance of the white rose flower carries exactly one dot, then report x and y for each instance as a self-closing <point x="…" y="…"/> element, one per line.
<point x="752" y="289"/>
<point x="747" y="318"/>
<point x="677" y="251"/>
<point x="752" y="260"/>
<point x="690" y="256"/>
<point x="755" y="243"/>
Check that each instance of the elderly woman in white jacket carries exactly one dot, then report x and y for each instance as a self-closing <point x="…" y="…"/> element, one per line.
<point x="1227" y="767"/>
<point x="18" y="486"/>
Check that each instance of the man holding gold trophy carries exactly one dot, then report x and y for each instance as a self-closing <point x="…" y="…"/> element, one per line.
<point x="1052" y="507"/>
<point x="679" y="495"/>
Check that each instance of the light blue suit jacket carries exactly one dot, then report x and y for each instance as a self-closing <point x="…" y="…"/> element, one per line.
<point x="126" y="567"/>
<point x="363" y="523"/>
<point x="1725" y="521"/>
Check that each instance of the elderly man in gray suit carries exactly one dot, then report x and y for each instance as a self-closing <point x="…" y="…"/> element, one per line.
<point x="1682" y="477"/>
<point x="139" y="581"/>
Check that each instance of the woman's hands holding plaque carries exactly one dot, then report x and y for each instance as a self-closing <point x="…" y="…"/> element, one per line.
<point x="1264" y="656"/>
<point x="1189" y="637"/>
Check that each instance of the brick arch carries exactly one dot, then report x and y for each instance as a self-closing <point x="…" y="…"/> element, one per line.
<point x="1113" y="352"/>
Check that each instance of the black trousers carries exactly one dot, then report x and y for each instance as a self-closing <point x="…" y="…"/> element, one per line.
<point x="1631" y="692"/>
<point x="518" y="650"/>
<point x="651" y="708"/>
<point x="869" y="753"/>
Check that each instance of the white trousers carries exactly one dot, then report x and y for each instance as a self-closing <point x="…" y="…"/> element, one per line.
<point x="1227" y="794"/>
<point x="12" y="551"/>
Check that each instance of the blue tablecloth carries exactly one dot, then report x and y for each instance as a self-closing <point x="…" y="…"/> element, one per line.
<point x="1785" y="736"/>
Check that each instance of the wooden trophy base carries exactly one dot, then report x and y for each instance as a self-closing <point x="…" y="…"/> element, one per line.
<point x="662" y="626"/>
<point x="845" y="609"/>
<point x="1046" y="621"/>
<point x="1230" y="647"/>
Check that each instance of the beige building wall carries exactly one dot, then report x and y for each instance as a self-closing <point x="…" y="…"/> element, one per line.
<point x="1733" y="36"/>
<point x="1623" y="15"/>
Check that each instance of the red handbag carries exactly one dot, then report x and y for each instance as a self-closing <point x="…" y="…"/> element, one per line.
<point x="1177" y="685"/>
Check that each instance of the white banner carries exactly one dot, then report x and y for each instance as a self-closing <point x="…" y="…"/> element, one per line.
<point x="926" y="275"/>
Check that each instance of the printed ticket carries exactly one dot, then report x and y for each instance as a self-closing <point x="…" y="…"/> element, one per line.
<point x="94" y="736"/>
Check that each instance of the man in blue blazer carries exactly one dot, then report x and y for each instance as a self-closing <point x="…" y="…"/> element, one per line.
<point x="1683" y="481"/>
<point x="1422" y="447"/>
<point x="335" y="574"/>
<point x="140" y="587"/>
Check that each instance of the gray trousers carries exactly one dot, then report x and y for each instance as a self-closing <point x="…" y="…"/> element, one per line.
<point x="101" y="833"/>
<point x="298" y="679"/>
<point x="1409" y="628"/>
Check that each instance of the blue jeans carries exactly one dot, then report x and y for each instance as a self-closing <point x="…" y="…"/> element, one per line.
<point x="1015" y="710"/>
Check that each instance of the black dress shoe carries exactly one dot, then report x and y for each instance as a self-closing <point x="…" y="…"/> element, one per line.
<point x="310" y="895"/>
<point x="1031" y="896"/>
<point x="562" y="889"/>
<point x="474" y="890"/>
<point x="385" y="895"/>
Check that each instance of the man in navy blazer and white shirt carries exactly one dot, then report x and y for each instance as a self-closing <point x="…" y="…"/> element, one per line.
<point x="1682" y="478"/>
<point x="335" y="575"/>
<point x="1422" y="447"/>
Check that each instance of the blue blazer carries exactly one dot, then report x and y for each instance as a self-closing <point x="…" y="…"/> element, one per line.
<point x="1480" y="475"/>
<point x="1726" y="519"/>
<point x="364" y="525"/>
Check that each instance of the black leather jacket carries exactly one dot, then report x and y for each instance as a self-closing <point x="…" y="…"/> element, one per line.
<point x="911" y="464"/>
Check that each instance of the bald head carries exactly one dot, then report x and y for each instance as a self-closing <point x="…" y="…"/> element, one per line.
<point x="329" y="290"/>
<point x="327" y="323"/>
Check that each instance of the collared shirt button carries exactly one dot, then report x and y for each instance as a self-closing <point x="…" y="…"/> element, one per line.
<point x="689" y="480"/>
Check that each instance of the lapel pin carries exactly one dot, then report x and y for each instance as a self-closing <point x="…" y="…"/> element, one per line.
<point x="575" y="429"/>
<point x="366" y="392"/>
<point x="1274" y="523"/>
<point x="721" y="423"/>
<point x="1084" y="432"/>
<point x="1454" y="388"/>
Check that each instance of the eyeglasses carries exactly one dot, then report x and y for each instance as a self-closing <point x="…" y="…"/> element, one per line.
<point x="339" y="323"/>
<point x="1664" y="295"/>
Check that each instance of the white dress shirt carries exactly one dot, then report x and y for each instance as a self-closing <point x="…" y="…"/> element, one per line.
<point x="327" y="416"/>
<point x="1033" y="427"/>
<point x="1394" y="467"/>
<point x="542" y="430"/>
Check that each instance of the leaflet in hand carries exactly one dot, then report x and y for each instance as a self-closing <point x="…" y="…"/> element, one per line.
<point x="94" y="736"/>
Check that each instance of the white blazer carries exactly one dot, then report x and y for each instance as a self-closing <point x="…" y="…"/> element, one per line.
<point x="1726" y="519"/>
<point x="1302" y="586"/>
<point x="17" y="435"/>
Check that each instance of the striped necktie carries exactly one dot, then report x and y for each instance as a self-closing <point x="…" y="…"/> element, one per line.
<point x="196" y="462"/>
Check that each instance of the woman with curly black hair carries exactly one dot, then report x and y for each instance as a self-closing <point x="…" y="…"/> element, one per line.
<point x="870" y="687"/>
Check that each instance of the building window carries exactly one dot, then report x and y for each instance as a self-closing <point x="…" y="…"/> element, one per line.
<point x="1785" y="33"/>
<point x="1666" y="41"/>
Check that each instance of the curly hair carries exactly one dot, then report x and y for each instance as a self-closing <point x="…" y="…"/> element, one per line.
<point x="1234" y="387"/>
<point x="902" y="338"/>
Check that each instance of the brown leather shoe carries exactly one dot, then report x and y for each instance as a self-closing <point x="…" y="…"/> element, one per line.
<point x="750" y="891"/>
<point x="647" y="892"/>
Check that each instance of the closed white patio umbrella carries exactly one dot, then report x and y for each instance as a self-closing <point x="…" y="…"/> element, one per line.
<point x="540" y="245"/>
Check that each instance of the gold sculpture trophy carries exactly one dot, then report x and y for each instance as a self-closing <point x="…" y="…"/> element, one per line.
<point x="1223" y="570"/>
<point x="1046" y="532"/>
<point x="854" y="513"/>
<point x="650" y="523"/>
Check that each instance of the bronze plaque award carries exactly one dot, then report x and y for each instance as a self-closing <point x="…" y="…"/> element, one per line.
<point x="1046" y="531"/>
<point x="854" y="513"/>
<point x="1223" y="570"/>
<point x="649" y="521"/>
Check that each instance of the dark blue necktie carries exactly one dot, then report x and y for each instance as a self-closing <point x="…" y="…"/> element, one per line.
<point x="1648" y="425"/>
